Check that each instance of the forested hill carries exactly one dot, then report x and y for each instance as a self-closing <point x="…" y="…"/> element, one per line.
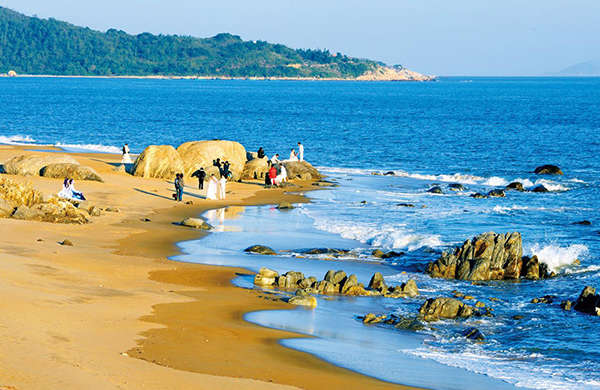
<point x="29" y="45"/>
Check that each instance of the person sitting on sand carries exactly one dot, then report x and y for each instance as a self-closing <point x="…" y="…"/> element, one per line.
<point x="211" y="188"/>
<point x="260" y="153"/>
<point x="273" y="175"/>
<point x="65" y="192"/>
<point x="74" y="193"/>
<point x="201" y="175"/>
<point x="293" y="155"/>
<point x="179" y="184"/>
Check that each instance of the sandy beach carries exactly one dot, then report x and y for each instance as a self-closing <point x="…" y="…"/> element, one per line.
<point x="112" y="312"/>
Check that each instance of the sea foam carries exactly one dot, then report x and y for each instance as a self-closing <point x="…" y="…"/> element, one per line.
<point x="90" y="147"/>
<point x="557" y="257"/>
<point x="16" y="140"/>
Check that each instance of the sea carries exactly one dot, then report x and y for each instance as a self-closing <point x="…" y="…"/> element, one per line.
<point x="482" y="133"/>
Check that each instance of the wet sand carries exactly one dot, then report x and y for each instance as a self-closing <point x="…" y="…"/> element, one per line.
<point x="112" y="312"/>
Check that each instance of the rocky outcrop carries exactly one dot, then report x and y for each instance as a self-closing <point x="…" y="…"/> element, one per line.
<point x="435" y="190"/>
<point x="541" y="188"/>
<point x="496" y="194"/>
<point x="473" y="334"/>
<point x="301" y="170"/>
<point x="196" y="223"/>
<point x="588" y="302"/>
<point x="260" y="249"/>
<point x="54" y="211"/>
<point x="201" y="154"/>
<point x="255" y="169"/>
<point x="158" y="161"/>
<point x="478" y="195"/>
<point x="334" y="282"/>
<point x="515" y="185"/>
<point x="456" y="187"/>
<point x="388" y="73"/>
<point x="16" y="194"/>
<point x="548" y="170"/>
<point x="435" y="309"/>
<point x="386" y="255"/>
<point x="72" y="171"/>
<point x="489" y="256"/>
<point x="31" y="165"/>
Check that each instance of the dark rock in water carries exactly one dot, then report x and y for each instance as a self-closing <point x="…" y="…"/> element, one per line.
<point x="386" y="255"/>
<point x="473" y="334"/>
<point x="390" y="173"/>
<point x="377" y="283"/>
<point x="545" y="299"/>
<point x="548" y="170"/>
<point x="290" y="280"/>
<point x="515" y="185"/>
<point x="517" y="317"/>
<point x="540" y="189"/>
<point x="496" y="194"/>
<point x="435" y="190"/>
<point x="588" y="302"/>
<point x="405" y="205"/>
<point x="285" y="206"/>
<point x="585" y="222"/>
<point x="456" y="187"/>
<point x="531" y="268"/>
<point x="363" y="202"/>
<point x="373" y="318"/>
<point x="348" y="283"/>
<point x="435" y="309"/>
<point x="478" y="195"/>
<point x="409" y="323"/>
<point x="324" y="251"/>
<point x="566" y="305"/>
<point x="260" y="249"/>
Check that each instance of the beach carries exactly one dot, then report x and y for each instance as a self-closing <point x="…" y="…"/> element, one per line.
<point x="112" y="311"/>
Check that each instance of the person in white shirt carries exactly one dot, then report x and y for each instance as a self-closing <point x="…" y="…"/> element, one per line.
<point x="300" y="151"/>
<point x="275" y="158"/>
<point x="222" y="187"/>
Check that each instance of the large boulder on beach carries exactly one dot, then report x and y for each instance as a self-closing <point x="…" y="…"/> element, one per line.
<point x="73" y="171"/>
<point x="588" y="302"/>
<point x="489" y="256"/>
<point x="548" y="170"/>
<point x="255" y="169"/>
<point x="31" y="165"/>
<point x="54" y="211"/>
<point x="435" y="309"/>
<point x="16" y="194"/>
<point x="196" y="223"/>
<point x="158" y="161"/>
<point x="301" y="170"/>
<point x="201" y="154"/>
<point x="266" y="277"/>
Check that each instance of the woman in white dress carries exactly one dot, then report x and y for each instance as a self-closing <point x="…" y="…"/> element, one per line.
<point x="282" y="177"/>
<point x="211" y="188"/>
<point x="222" y="187"/>
<point x="126" y="157"/>
<point x="293" y="155"/>
<point x="65" y="192"/>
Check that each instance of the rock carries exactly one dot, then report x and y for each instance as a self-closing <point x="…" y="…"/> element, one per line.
<point x="6" y="208"/>
<point x="378" y="253"/>
<point x="373" y="319"/>
<point x="548" y="170"/>
<point x="489" y="256"/>
<point x="120" y="168"/>
<point x="435" y="190"/>
<point x="458" y="294"/>
<point x="405" y="205"/>
<point x="27" y="213"/>
<point x="515" y="185"/>
<point x="260" y="249"/>
<point x="409" y="323"/>
<point x="478" y="195"/>
<point x="584" y="222"/>
<point x="16" y="194"/>
<point x="196" y="223"/>
<point x="112" y="209"/>
<point x="290" y="280"/>
<point x="72" y="171"/>
<point x="386" y="255"/>
<point x="479" y="304"/>
<point x="94" y="211"/>
<point x="302" y="170"/>
<point x="468" y="297"/>
<point x="31" y="165"/>
<point x="158" y="161"/>
<point x="389" y="173"/>
<point x="410" y="288"/>
<point x="378" y="283"/>
<point x="66" y="242"/>
<point x="335" y="277"/>
<point x="349" y="282"/>
<point x="266" y="277"/>
<point x="588" y="302"/>
<point x="308" y="301"/>
<point x="456" y="187"/>
<point x="201" y="154"/>
<point x="323" y="251"/>
<point x="540" y="189"/>
<point x="531" y="267"/>
<point x="255" y="169"/>
<point x="566" y="305"/>
<point x="55" y="211"/>
<point x="307" y="282"/>
<point x="435" y="309"/>
<point x="285" y="206"/>
<point x="545" y="299"/>
<point x="473" y="334"/>
<point x="517" y="317"/>
<point x="326" y="288"/>
<point x="496" y="194"/>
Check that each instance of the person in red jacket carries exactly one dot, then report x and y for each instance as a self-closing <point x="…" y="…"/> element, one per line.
<point x="273" y="175"/>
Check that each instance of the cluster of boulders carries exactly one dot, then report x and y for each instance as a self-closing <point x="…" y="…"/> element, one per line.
<point x="52" y="166"/>
<point x="22" y="201"/>
<point x="489" y="256"/>
<point x="588" y="302"/>
<point x="164" y="161"/>
<point x="334" y="282"/>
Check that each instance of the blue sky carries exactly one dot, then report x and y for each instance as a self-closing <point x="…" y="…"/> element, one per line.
<point x="463" y="37"/>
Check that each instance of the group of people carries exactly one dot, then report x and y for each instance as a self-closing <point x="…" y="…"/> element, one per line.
<point x="276" y="175"/>
<point x="216" y="187"/>
<point x="293" y="155"/>
<point x="68" y="191"/>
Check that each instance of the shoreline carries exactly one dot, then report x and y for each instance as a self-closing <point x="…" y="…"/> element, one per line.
<point x="78" y="311"/>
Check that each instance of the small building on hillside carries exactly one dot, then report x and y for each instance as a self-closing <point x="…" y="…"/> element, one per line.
<point x="12" y="73"/>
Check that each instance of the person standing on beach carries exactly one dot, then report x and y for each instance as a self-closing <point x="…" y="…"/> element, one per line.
<point x="212" y="188"/>
<point x="300" y="151"/>
<point x="201" y="175"/>
<point x="222" y="187"/>
<point x="273" y="175"/>
<point x="126" y="157"/>
<point x="179" y="184"/>
<point x="226" y="172"/>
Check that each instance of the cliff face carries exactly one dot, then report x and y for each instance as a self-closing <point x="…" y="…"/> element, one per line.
<point x="385" y="73"/>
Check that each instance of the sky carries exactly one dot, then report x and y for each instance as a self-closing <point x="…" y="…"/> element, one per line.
<point x="440" y="37"/>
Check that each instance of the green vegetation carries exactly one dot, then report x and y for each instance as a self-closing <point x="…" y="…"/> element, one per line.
<point x="29" y="45"/>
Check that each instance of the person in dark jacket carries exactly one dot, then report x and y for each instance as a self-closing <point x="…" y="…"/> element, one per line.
<point x="261" y="152"/>
<point x="201" y="175"/>
<point x="179" y="184"/>
<point x="226" y="172"/>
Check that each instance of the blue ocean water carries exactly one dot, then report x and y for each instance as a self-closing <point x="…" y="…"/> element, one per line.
<point x="480" y="132"/>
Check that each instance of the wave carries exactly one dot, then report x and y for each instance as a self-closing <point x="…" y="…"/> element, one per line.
<point x="557" y="257"/>
<point x="89" y="147"/>
<point x="551" y="185"/>
<point x="16" y="140"/>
